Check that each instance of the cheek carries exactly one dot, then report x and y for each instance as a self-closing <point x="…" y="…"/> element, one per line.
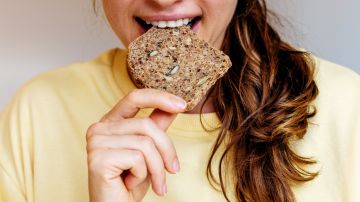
<point x="218" y="16"/>
<point x="220" y="12"/>
<point x="225" y="9"/>
<point x="117" y="13"/>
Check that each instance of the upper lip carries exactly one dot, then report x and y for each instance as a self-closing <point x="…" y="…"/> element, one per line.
<point x="166" y="17"/>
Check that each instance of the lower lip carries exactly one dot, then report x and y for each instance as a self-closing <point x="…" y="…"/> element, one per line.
<point x="194" y="28"/>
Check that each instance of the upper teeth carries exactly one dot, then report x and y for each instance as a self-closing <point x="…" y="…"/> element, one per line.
<point x="175" y="23"/>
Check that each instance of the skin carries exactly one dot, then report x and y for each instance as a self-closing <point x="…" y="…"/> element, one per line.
<point x="125" y="154"/>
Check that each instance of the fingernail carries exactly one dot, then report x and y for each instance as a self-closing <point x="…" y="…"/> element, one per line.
<point x="180" y="103"/>
<point x="164" y="189"/>
<point x="176" y="165"/>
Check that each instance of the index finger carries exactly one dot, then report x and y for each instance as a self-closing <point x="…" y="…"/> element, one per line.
<point x="145" y="98"/>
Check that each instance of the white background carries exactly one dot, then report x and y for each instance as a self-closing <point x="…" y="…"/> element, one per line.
<point x="36" y="35"/>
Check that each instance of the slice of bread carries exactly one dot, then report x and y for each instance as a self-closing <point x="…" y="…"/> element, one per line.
<point x="177" y="61"/>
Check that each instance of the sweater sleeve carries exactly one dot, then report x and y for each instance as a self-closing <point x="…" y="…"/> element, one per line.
<point x="8" y="189"/>
<point x="352" y="173"/>
<point x="16" y="164"/>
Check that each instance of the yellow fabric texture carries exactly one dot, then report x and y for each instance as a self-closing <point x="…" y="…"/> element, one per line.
<point x="43" y="146"/>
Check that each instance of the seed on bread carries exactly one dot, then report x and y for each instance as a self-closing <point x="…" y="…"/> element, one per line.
<point x="173" y="70"/>
<point x="153" y="53"/>
<point x="202" y="80"/>
<point x="188" y="41"/>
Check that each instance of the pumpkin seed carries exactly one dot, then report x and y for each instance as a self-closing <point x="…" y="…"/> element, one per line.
<point x="202" y="80"/>
<point x="153" y="53"/>
<point x="173" y="70"/>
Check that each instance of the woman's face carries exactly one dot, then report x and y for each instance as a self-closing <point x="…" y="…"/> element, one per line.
<point x="208" y="18"/>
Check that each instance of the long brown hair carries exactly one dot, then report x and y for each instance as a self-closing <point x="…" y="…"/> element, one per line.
<point x="263" y="101"/>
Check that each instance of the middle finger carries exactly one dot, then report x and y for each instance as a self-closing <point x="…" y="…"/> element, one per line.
<point x="139" y="126"/>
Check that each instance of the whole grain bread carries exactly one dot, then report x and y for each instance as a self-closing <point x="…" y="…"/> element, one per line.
<point x="177" y="61"/>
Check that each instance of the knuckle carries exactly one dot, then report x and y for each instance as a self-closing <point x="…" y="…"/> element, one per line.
<point x="93" y="129"/>
<point x="133" y="94"/>
<point x="93" y="142"/>
<point x="147" y="125"/>
<point x="147" y="143"/>
<point x="98" y="161"/>
<point x="137" y="157"/>
<point x="143" y="175"/>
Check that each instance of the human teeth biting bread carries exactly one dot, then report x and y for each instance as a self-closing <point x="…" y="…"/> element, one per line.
<point x="177" y="61"/>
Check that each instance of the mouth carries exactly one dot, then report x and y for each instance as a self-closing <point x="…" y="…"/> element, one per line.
<point x="191" y="22"/>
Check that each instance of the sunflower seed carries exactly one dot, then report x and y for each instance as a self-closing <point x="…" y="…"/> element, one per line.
<point x="188" y="41"/>
<point x="175" y="33"/>
<point x="168" y="79"/>
<point x="153" y="53"/>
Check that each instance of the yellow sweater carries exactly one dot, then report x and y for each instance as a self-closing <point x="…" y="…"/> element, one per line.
<point x="42" y="136"/>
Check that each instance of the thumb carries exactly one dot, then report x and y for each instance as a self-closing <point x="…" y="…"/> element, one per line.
<point x="162" y="119"/>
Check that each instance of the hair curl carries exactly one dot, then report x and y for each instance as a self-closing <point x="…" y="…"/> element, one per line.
<point x="263" y="101"/>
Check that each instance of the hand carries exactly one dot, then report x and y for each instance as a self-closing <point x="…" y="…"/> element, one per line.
<point x="126" y="154"/>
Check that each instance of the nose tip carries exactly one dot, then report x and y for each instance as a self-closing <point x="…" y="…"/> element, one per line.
<point x="164" y="3"/>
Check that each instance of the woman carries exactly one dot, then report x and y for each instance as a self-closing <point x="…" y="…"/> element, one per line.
<point x="281" y="125"/>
